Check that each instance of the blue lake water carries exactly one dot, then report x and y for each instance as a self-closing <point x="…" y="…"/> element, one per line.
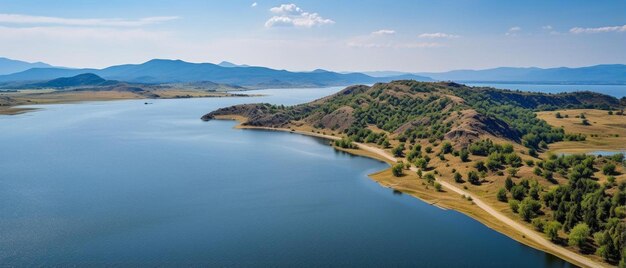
<point x="127" y="184"/>
<point x="617" y="91"/>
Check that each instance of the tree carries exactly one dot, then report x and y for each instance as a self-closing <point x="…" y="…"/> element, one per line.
<point x="438" y="187"/>
<point x="446" y="148"/>
<point x="457" y="177"/>
<point x="514" y="204"/>
<point x="473" y="177"/>
<point x="585" y="122"/>
<point x="464" y="155"/>
<point x="397" y="170"/>
<point x="480" y="166"/>
<point x="508" y="183"/>
<point x="429" y="177"/>
<point x="608" y="169"/>
<point x="529" y="208"/>
<point x="578" y="235"/>
<point x="551" y="229"/>
<point x="428" y="149"/>
<point x="518" y="192"/>
<point x="513" y="171"/>
<point x="501" y="195"/>
<point x="558" y="115"/>
<point x="419" y="173"/>
<point x="421" y="163"/>
<point x="398" y="151"/>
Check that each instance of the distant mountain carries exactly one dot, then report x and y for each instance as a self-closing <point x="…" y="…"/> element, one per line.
<point x="230" y="64"/>
<point x="598" y="74"/>
<point x="81" y="80"/>
<point x="177" y="71"/>
<point x="9" y="66"/>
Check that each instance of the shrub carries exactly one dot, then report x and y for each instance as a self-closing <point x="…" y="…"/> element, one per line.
<point x="438" y="187"/>
<point x="608" y="169"/>
<point x="397" y="170"/>
<point x="473" y="177"/>
<point x="514" y="205"/>
<point x="501" y="195"/>
<point x="551" y="229"/>
<point x="578" y="235"/>
<point x="458" y="178"/>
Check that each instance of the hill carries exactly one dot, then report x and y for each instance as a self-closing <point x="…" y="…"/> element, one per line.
<point x="598" y="74"/>
<point x="485" y="144"/>
<point x="177" y="71"/>
<point x="81" y="80"/>
<point x="9" y="66"/>
<point x="418" y="110"/>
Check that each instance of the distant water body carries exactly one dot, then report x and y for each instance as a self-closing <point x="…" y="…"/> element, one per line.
<point x="121" y="183"/>
<point x="617" y="91"/>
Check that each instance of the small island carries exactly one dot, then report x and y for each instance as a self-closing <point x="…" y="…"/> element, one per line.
<point x="513" y="160"/>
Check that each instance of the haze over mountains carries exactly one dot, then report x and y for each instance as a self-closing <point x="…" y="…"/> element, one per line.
<point x="177" y="71"/>
<point x="597" y="74"/>
<point x="159" y="71"/>
<point x="9" y="66"/>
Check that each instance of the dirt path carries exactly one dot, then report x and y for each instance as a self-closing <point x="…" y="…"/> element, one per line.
<point x="582" y="260"/>
<point x="528" y="233"/>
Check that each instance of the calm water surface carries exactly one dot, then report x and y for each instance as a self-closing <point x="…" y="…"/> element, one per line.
<point x="127" y="184"/>
<point x="617" y="91"/>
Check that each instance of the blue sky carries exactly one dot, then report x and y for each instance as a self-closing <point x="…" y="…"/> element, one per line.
<point x="361" y="35"/>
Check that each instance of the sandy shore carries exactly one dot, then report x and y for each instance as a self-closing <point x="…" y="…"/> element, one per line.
<point x="481" y="211"/>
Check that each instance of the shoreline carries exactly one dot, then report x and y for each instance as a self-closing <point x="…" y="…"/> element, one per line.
<point x="502" y="224"/>
<point x="14" y="102"/>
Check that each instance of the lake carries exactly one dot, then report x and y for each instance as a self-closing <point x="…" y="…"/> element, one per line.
<point x="617" y="91"/>
<point x="127" y="184"/>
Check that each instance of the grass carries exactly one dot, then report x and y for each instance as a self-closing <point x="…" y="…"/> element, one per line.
<point x="606" y="132"/>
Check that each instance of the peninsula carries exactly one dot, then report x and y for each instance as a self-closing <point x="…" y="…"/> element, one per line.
<point x="495" y="155"/>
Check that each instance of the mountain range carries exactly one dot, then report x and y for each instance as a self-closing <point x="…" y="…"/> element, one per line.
<point x="159" y="71"/>
<point x="9" y="66"/>
<point x="177" y="71"/>
<point x="597" y="74"/>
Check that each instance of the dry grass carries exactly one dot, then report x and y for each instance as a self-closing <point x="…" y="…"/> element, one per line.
<point x="609" y="131"/>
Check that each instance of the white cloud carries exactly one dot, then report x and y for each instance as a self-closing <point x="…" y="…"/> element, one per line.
<point x="290" y="15"/>
<point x="437" y="35"/>
<point x="107" y="22"/>
<point x="579" y="30"/>
<point x="546" y="27"/>
<point x="254" y="4"/>
<point x="513" y="31"/>
<point x="384" y="32"/>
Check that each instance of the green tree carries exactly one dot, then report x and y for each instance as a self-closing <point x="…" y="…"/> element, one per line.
<point x="473" y="177"/>
<point x="518" y="192"/>
<point x="578" y="235"/>
<point x="464" y="155"/>
<point x="551" y="229"/>
<point x="457" y="177"/>
<point x="438" y="187"/>
<point x="501" y="195"/>
<point x="508" y="183"/>
<point x="398" y="151"/>
<point x="608" y="169"/>
<point x="446" y="148"/>
<point x="514" y="205"/>
<point x="529" y="208"/>
<point x="397" y="170"/>
<point x="512" y="171"/>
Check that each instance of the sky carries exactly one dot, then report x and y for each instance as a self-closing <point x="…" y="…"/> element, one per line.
<point x="299" y="35"/>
